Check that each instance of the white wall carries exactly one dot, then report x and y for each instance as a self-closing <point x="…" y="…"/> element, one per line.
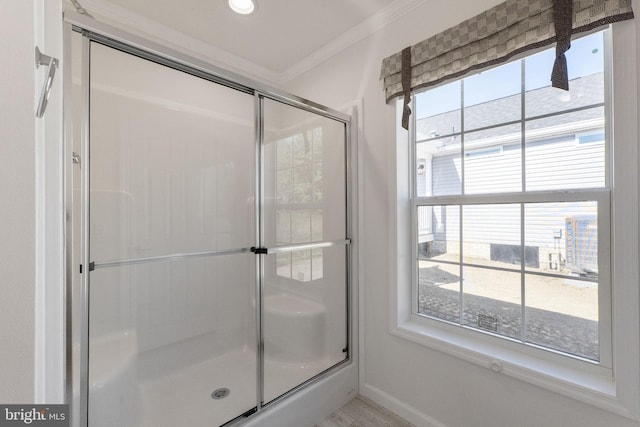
<point x="17" y="192"/>
<point x="426" y="386"/>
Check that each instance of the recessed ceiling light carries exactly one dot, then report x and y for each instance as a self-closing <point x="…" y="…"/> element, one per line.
<point x="243" y="7"/>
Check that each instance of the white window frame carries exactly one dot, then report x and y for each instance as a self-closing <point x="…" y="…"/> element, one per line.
<point x="611" y="385"/>
<point x="600" y="195"/>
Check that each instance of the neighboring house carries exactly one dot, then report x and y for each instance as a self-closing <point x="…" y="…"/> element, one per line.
<point x="556" y="147"/>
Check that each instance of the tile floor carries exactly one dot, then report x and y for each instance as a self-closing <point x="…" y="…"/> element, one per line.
<point x="362" y="412"/>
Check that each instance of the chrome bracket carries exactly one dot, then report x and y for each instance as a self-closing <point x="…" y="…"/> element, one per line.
<point x="52" y="64"/>
<point x="81" y="10"/>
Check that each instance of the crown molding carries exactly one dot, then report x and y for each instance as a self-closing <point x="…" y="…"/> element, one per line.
<point x="361" y="31"/>
<point x="137" y="24"/>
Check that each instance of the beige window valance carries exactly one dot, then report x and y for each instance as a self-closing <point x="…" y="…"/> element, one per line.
<point x="494" y="37"/>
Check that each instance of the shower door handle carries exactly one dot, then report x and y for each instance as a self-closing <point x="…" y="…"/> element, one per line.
<point x="299" y="246"/>
<point x="92" y="266"/>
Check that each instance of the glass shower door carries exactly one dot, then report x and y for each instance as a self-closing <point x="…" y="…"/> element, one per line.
<point x="304" y="323"/>
<point x="172" y="327"/>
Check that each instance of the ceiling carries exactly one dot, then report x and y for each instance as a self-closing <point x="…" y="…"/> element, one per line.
<point x="279" y="35"/>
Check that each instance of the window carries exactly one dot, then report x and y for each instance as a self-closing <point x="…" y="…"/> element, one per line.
<point x="511" y="204"/>
<point x="299" y="201"/>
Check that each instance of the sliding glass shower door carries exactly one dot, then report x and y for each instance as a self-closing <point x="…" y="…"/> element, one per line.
<point x="210" y="226"/>
<point x="305" y="231"/>
<point x="172" y="328"/>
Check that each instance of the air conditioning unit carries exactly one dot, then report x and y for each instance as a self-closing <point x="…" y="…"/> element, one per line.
<point x="581" y="237"/>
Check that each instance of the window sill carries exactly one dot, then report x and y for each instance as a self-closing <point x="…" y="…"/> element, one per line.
<point x="590" y="383"/>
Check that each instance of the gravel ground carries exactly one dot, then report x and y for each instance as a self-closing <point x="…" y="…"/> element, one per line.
<point x="559" y="331"/>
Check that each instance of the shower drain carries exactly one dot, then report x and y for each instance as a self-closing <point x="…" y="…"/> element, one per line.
<point x="220" y="393"/>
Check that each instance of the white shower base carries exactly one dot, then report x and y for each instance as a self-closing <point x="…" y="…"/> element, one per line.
<point x="183" y="396"/>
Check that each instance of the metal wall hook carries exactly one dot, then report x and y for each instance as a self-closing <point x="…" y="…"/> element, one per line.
<point x="52" y="63"/>
<point x="81" y="10"/>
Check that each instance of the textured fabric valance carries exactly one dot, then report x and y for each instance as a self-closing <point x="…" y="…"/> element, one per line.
<point x="494" y="37"/>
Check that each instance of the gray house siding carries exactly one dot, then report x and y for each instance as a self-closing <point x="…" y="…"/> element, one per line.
<point x="552" y="165"/>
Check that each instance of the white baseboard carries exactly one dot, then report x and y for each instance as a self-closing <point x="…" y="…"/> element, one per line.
<point x="407" y="412"/>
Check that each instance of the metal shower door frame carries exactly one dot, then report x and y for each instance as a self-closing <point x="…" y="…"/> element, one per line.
<point x="77" y="371"/>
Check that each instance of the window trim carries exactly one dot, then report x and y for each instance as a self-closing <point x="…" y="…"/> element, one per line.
<point x="600" y="195"/>
<point x="615" y="390"/>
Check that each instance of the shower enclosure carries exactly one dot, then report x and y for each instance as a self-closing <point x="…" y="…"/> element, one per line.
<point x="210" y="238"/>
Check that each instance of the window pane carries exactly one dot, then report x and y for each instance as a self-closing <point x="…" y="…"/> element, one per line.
<point x="439" y="167"/>
<point x="439" y="290"/>
<point x="562" y="314"/>
<point x="317" y="256"/>
<point x="586" y="78"/>
<point x="283" y="265"/>
<point x="300" y="226"/>
<point x="493" y="97"/>
<point x="301" y="265"/>
<point x="566" y="151"/>
<point x="316" y="136"/>
<point x="284" y="183"/>
<point x="563" y="238"/>
<point x="439" y="233"/>
<point x="493" y="160"/>
<point x="303" y="184"/>
<point x="283" y="227"/>
<point x="316" y="225"/>
<point x="438" y="112"/>
<point x="492" y="301"/>
<point x="318" y="184"/>
<point x="284" y="153"/>
<point x="500" y="135"/>
<point x="491" y="235"/>
<point x="302" y="149"/>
